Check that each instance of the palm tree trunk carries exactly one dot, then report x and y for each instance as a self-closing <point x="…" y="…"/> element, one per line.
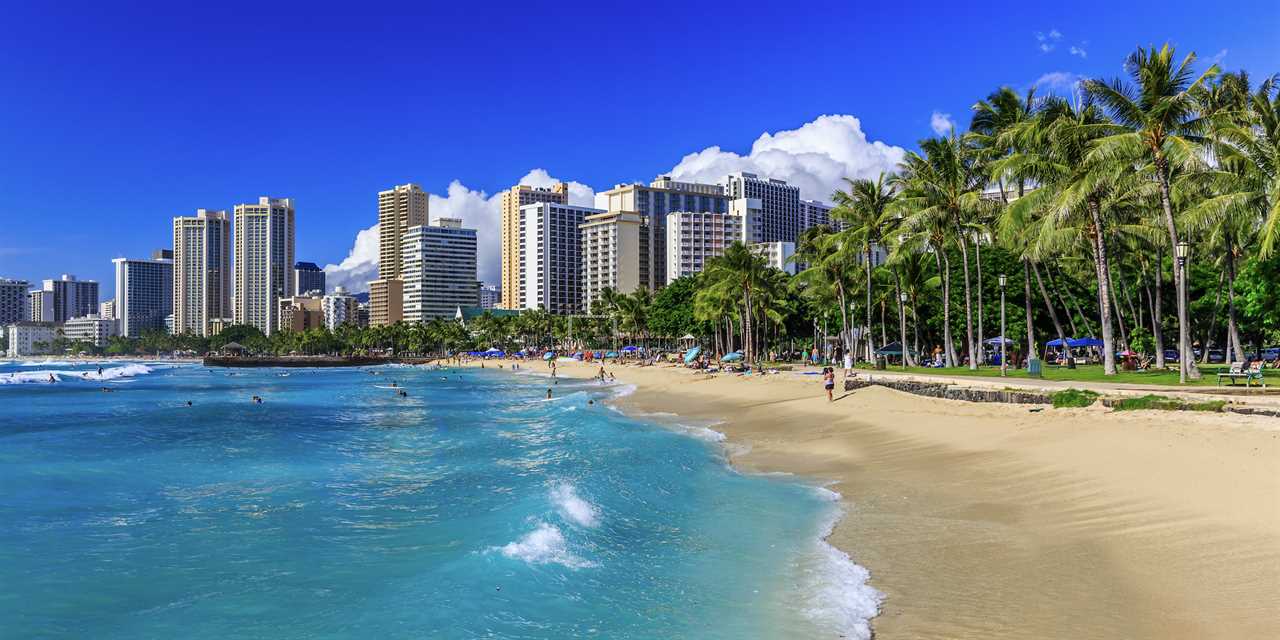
<point x="1103" y="267"/>
<point x="1026" y="302"/>
<point x="968" y="307"/>
<point x="1053" y="315"/>
<point x="845" y="335"/>
<point x="1157" y="310"/>
<point x="944" y="265"/>
<point x="1186" y="363"/>
<point x="1057" y="293"/>
<point x="1233" y="330"/>
<point x="1071" y="298"/>
<point x="1213" y="320"/>
<point x="746" y="326"/>
<point x="871" y="347"/>
<point x="902" y="320"/>
<point x="977" y="253"/>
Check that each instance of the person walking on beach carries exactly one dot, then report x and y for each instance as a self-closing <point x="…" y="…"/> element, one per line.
<point x="848" y="364"/>
<point x="829" y="381"/>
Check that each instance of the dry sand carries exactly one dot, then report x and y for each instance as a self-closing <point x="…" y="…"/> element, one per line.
<point x="993" y="521"/>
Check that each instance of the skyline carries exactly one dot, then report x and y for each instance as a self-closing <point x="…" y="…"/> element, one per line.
<point x="154" y="130"/>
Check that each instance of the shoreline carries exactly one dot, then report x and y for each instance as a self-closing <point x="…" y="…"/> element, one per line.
<point x="990" y="521"/>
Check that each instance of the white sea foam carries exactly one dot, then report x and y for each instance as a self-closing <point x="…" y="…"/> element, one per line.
<point x="574" y="509"/>
<point x="544" y="545"/>
<point x="623" y="390"/>
<point x="42" y="376"/>
<point x="836" y="593"/>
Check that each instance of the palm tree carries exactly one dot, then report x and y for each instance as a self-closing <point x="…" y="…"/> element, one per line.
<point x="865" y="206"/>
<point x="939" y="197"/>
<point x="1163" y="135"/>
<point x="744" y="271"/>
<point x="828" y="257"/>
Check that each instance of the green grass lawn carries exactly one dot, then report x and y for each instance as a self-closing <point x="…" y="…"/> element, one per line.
<point x="1087" y="373"/>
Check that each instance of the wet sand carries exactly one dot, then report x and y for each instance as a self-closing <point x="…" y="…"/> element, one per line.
<point x="993" y="521"/>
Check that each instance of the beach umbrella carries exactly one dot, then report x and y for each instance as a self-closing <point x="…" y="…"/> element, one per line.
<point x="692" y="354"/>
<point x="730" y="357"/>
<point x="611" y="354"/>
<point x="493" y="350"/>
<point x="891" y="349"/>
<point x="997" y="340"/>
<point x="549" y="355"/>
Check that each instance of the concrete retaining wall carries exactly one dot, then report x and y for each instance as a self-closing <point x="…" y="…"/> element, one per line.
<point x="941" y="390"/>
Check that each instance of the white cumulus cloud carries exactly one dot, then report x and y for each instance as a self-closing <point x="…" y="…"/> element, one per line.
<point x="477" y="209"/>
<point x="1059" y="82"/>
<point x="941" y="123"/>
<point x="814" y="157"/>
<point x="1048" y="40"/>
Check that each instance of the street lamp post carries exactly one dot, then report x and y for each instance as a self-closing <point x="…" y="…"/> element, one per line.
<point x="1004" y="362"/>
<point x="1184" y="349"/>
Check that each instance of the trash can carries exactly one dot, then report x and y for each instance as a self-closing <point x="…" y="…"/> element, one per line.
<point x="1033" y="367"/>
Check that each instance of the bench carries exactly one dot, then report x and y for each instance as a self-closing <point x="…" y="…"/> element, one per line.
<point x="1237" y="371"/>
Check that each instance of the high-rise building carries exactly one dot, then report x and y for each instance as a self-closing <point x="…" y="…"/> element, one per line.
<point x="614" y="245"/>
<point x="107" y="309"/>
<point x="264" y="256"/>
<point x="654" y="202"/>
<point x="695" y="238"/>
<point x="40" y="305"/>
<point x="551" y="256"/>
<point x="15" y="301"/>
<point x="144" y="293"/>
<point x="512" y="199"/>
<point x="814" y="213"/>
<point x="751" y="212"/>
<point x="490" y="296"/>
<point x="781" y="218"/>
<point x="201" y="271"/>
<point x="308" y="277"/>
<point x="340" y="308"/>
<point x="301" y="312"/>
<point x="67" y="298"/>
<point x="439" y="270"/>
<point x="399" y="208"/>
<point x="92" y="329"/>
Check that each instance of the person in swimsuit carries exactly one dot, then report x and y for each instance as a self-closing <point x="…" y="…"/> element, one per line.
<point x="829" y="382"/>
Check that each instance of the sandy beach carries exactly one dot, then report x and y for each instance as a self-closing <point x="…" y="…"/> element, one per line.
<point x="997" y="521"/>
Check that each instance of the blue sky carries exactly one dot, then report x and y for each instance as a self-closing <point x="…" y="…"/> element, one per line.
<point x="115" y="119"/>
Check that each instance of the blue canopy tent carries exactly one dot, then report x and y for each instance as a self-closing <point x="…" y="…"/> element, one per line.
<point x="692" y="354"/>
<point x="630" y="349"/>
<point x="611" y="354"/>
<point x="1075" y="343"/>
<point x="549" y="355"/>
<point x="996" y="340"/>
<point x="891" y="349"/>
<point x="494" y="352"/>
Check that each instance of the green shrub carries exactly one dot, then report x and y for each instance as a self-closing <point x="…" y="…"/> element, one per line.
<point x="1163" y="403"/>
<point x="1073" y="398"/>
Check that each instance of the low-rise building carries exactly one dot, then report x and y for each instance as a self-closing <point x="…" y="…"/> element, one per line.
<point x="777" y="254"/>
<point x="31" y="338"/>
<point x="301" y="313"/>
<point x="91" y="329"/>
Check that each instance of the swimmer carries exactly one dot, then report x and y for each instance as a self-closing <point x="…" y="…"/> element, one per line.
<point x="52" y="379"/>
<point x="548" y="394"/>
<point x="403" y="393"/>
<point x="188" y="403"/>
<point x="99" y="370"/>
<point x="590" y="402"/>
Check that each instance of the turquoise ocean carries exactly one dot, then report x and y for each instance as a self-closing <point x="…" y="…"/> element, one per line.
<point x="472" y="508"/>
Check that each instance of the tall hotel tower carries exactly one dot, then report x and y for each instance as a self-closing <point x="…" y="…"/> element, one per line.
<point x="264" y="259"/>
<point x="201" y="271"/>
<point x="399" y="208"/>
<point x="512" y="199"/>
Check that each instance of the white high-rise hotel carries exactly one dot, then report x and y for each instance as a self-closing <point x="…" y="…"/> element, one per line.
<point x="201" y="271"/>
<point x="14" y="301"/>
<point x="551" y="257"/>
<point x="144" y="293"/>
<point x="264" y="257"/>
<point x="439" y="270"/>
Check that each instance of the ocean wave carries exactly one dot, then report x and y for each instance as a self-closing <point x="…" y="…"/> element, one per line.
<point x="42" y="376"/>
<point x="572" y="507"/>
<point x="544" y="545"/>
<point x="837" y="594"/>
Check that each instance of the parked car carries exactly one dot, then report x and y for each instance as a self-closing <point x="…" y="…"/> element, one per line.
<point x="1217" y="356"/>
<point x="1170" y="355"/>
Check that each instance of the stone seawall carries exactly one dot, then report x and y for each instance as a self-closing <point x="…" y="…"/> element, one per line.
<point x="950" y="392"/>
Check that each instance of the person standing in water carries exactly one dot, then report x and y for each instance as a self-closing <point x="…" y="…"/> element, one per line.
<point x="548" y="393"/>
